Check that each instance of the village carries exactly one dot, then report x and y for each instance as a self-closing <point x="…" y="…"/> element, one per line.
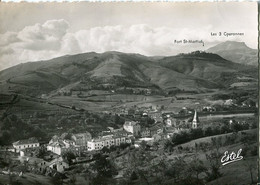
<point x="67" y="149"/>
<point x="58" y="144"/>
<point x="132" y="133"/>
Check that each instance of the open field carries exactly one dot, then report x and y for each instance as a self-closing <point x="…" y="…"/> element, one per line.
<point x="108" y="102"/>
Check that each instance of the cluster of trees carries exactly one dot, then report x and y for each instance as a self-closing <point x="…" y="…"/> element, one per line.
<point x="104" y="170"/>
<point x="122" y="147"/>
<point x="13" y="129"/>
<point x="138" y="167"/>
<point x="186" y="173"/>
<point x="238" y="98"/>
<point x="233" y="95"/>
<point x="146" y="121"/>
<point x="180" y="171"/>
<point x="186" y="136"/>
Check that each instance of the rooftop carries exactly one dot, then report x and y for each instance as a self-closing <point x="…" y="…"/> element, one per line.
<point x="57" y="144"/>
<point x="26" y="141"/>
<point x="82" y="135"/>
<point x="156" y="126"/>
<point x="131" y="123"/>
<point x="106" y="138"/>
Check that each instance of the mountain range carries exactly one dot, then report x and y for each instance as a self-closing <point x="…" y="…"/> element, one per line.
<point x="196" y="71"/>
<point x="237" y="52"/>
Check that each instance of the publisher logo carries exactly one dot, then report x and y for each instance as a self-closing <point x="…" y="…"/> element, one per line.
<point x="231" y="157"/>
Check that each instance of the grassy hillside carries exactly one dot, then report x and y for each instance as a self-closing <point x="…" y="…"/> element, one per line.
<point x="207" y="66"/>
<point x="196" y="72"/>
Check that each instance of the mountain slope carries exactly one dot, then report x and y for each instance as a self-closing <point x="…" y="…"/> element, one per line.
<point x="205" y="66"/>
<point x="114" y="70"/>
<point x="237" y="52"/>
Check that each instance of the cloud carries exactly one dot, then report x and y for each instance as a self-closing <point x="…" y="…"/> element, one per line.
<point x="52" y="39"/>
<point x="36" y="42"/>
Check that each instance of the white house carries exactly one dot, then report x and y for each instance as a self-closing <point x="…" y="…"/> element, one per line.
<point x="26" y="143"/>
<point x="59" y="145"/>
<point x="56" y="147"/>
<point x="133" y="127"/>
<point x="99" y="143"/>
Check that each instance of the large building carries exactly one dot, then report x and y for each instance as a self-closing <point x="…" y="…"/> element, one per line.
<point x="27" y="143"/>
<point x="81" y="139"/>
<point x="107" y="141"/>
<point x="133" y="127"/>
<point x="58" y="146"/>
<point x="170" y="122"/>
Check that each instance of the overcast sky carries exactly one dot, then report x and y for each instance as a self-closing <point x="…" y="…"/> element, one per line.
<point x="39" y="31"/>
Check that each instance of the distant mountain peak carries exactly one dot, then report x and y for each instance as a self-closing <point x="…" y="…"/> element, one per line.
<point x="229" y="45"/>
<point x="234" y="42"/>
<point x="237" y="52"/>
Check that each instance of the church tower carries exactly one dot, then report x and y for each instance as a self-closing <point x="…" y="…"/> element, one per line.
<point x="195" y="120"/>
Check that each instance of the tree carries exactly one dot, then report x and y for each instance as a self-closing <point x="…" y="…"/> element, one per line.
<point x="156" y="145"/>
<point x="236" y="127"/>
<point x="143" y="175"/>
<point x="143" y="146"/>
<point x="68" y="136"/>
<point x="224" y="129"/>
<point x="103" y="167"/>
<point x="216" y="130"/>
<point x="214" y="171"/>
<point x="133" y="176"/>
<point x="181" y="138"/>
<point x="150" y="121"/>
<point x="251" y="168"/>
<point x="208" y="131"/>
<point x="196" y="167"/>
<point x="168" y="146"/>
<point x="6" y="138"/>
<point x="124" y="146"/>
<point x="162" y="107"/>
<point x="119" y="120"/>
<point x="88" y="176"/>
<point x="69" y="156"/>
<point x="57" y="179"/>
<point x="41" y="152"/>
<point x="72" y="180"/>
<point x="105" y="149"/>
<point x="196" y="133"/>
<point x="159" y="170"/>
<point x="136" y="160"/>
<point x="37" y="132"/>
<point x="176" y="169"/>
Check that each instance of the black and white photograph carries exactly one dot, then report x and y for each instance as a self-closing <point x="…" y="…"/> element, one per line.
<point x="129" y="93"/>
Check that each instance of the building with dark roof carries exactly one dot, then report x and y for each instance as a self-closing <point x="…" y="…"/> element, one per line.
<point x="26" y="143"/>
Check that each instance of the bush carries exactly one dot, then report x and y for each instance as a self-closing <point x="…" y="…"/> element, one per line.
<point x="133" y="176"/>
<point x="254" y="151"/>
